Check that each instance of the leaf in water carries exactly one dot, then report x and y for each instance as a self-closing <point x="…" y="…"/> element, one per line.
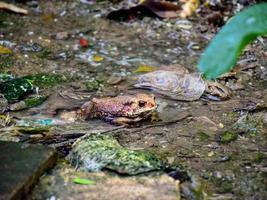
<point x="4" y="50"/>
<point x="224" y="50"/>
<point x="185" y="87"/>
<point x="83" y="181"/>
<point x="145" y="68"/>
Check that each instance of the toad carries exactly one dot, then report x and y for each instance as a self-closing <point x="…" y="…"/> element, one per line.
<point x="120" y="110"/>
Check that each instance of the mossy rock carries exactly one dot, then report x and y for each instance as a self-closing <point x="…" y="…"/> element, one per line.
<point x="45" y="80"/>
<point x="97" y="152"/>
<point x="33" y="130"/>
<point x="28" y="103"/>
<point x="5" y="77"/>
<point x="16" y="89"/>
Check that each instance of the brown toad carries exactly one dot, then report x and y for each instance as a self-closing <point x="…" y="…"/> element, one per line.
<point x="125" y="109"/>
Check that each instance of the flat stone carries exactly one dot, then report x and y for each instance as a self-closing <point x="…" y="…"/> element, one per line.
<point x="21" y="166"/>
<point x="60" y="185"/>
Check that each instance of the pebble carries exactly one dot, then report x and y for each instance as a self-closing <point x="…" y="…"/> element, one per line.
<point x="62" y="35"/>
<point x="113" y="80"/>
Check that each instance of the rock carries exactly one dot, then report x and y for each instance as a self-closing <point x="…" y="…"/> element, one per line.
<point x="106" y="187"/>
<point x="62" y="35"/>
<point x="3" y="103"/>
<point x="96" y="152"/>
<point x="21" y="166"/>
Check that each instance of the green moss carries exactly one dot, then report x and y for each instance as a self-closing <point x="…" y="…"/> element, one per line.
<point x="33" y="130"/>
<point x="45" y="80"/>
<point x="5" y="120"/>
<point x="203" y="136"/>
<point x="35" y="101"/>
<point x="15" y="89"/>
<point x="6" y="61"/>
<point x="27" y="103"/>
<point x="258" y="157"/>
<point x="45" y="53"/>
<point x="101" y="151"/>
<point x="93" y="84"/>
<point x="249" y="124"/>
<point x="222" y="185"/>
<point x="5" y="77"/>
<point x="227" y="137"/>
<point x="230" y="117"/>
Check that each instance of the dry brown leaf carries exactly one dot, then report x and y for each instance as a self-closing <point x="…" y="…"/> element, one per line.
<point x="13" y="8"/>
<point x="189" y="8"/>
<point x="151" y="8"/>
<point x="162" y="9"/>
<point x="185" y="87"/>
<point x="177" y="68"/>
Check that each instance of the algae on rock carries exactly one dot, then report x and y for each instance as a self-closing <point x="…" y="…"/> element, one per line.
<point x="97" y="152"/>
<point x="16" y="89"/>
<point x="44" y="80"/>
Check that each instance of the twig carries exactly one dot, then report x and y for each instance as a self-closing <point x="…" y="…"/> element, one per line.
<point x="162" y="124"/>
<point x="13" y="8"/>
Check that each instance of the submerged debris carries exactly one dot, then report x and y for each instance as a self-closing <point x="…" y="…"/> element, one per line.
<point x="97" y="152"/>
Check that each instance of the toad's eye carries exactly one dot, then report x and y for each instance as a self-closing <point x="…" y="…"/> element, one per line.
<point x="141" y="104"/>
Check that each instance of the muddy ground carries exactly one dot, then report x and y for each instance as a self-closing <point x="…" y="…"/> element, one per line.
<point x="225" y="168"/>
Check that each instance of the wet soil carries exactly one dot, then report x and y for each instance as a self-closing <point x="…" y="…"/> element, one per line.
<point x="227" y="170"/>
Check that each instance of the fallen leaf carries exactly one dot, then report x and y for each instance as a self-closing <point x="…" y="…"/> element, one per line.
<point x="4" y="50"/>
<point x="189" y="8"/>
<point x="225" y="48"/>
<point x="83" y="42"/>
<point x="145" y="68"/>
<point x="186" y="87"/>
<point x="163" y="9"/>
<point x="149" y="8"/>
<point x="97" y="58"/>
<point x="84" y="181"/>
<point x="177" y="68"/>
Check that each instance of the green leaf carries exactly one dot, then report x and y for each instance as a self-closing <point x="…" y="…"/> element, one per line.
<point x="223" y="51"/>
<point x="83" y="181"/>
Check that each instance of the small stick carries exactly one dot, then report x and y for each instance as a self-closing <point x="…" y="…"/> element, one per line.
<point x="13" y="8"/>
